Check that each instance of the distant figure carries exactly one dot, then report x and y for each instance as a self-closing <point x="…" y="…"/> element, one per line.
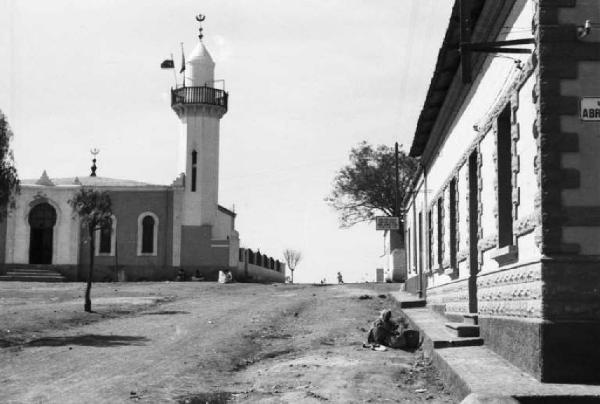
<point x="180" y="275"/>
<point x="225" y="276"/>
<point x="340" y="279"/>
<point x="197" y="277"/>
<point x="386" y="332"/>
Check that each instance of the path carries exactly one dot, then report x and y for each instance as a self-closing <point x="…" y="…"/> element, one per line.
<point x="241" y="342"/>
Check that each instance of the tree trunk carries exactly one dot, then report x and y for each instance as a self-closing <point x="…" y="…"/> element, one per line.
<point x="88" y="301"/>
<point x="292" y="271"/>
<point x="401" y="233"/>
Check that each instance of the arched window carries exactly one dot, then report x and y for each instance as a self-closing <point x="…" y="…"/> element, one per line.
<point x="147" y="234"/>
<point x="105" y="243"/>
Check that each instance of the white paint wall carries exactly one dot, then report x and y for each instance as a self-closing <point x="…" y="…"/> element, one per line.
<point x="66" y="231"/>
<point x="498" y="74"/>
<point x="481" y="99"/>
<point x="202" y="135"/>
<point x="527" y="150"/>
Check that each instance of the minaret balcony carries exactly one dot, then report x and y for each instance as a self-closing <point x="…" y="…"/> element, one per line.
<point x="201" y="96"/>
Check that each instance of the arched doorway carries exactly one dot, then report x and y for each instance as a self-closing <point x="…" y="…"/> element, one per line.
<point x="42" y="219"/>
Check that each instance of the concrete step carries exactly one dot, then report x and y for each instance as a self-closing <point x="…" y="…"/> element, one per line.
<point x="463" y="330"/>
<point x="7" y="278"/>
<point x="30" y="266"/>
<point x="471" y="318"/>
<point x="409" y="304"/>
<point x="435" y="332"/>
<point x="30" y="272"/>
<point x="33" y="274"/>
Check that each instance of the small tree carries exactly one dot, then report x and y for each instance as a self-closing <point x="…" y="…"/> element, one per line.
<point x="366" y="187"/>
<point x="9" y="181"/>
<point x="94" y="209"/>
<point x="292" y="257"/>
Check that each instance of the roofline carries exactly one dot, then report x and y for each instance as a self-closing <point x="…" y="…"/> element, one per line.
<point x="106" y="187"/>
<point x="446" y="68"/>
<point x="226" y="211"/>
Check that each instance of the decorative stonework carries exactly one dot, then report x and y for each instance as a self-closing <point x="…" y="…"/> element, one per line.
<point x="515" y="292"/>
<point x="463" y="254"/>
<point x="559" y="53"/>
<point x="454" y="296"/>
<point x="45" y="180"/>
<point x="515" y="159"/>
<point x="526" y="224"/>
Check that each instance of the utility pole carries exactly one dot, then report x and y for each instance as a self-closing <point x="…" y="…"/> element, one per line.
<point x="396" y="210"/>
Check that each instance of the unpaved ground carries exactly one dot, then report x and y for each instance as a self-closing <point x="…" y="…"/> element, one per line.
<point x="202" y="342"/>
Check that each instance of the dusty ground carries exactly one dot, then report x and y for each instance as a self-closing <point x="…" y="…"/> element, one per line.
<point x="202" y="342"/>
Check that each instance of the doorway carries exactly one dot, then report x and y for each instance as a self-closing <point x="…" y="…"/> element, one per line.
<point x="42" y="219"/>
<point x="473" y="231"/>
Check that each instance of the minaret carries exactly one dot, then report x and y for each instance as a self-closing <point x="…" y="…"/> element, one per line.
<point x="200" y="107"/>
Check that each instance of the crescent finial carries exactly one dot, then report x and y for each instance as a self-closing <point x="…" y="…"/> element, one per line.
<point x="200" y="17"/>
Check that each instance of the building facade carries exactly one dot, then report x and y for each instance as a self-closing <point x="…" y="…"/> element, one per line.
<point x="503" y="219"/>
<point x="157" y="230"/>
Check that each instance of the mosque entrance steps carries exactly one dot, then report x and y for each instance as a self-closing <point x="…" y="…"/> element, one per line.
<point x="463" y="330"/>
<point x="31" y="273"/>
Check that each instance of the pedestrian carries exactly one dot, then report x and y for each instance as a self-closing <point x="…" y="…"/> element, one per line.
<point x="340" y="279"/>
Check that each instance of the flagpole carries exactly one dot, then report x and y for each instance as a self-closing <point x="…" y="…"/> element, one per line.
<point x="182" y="64"/>
<point x="174" y="74"/>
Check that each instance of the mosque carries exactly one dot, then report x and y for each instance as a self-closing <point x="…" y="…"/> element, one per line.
<point x="157" y="230"/>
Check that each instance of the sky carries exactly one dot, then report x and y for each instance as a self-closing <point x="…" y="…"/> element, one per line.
<point x="307" y="81"/>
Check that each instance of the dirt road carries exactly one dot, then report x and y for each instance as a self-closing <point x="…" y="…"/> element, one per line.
<point x="202" y="342"/>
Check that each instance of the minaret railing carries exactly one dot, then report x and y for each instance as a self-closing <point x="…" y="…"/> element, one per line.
<point x="199" y="95"/>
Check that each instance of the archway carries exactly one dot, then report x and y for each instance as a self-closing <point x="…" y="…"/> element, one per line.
<point x="42" y="219"/>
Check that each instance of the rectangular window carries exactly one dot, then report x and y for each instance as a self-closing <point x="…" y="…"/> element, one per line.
<point x="430" y="239"/>
<point x="194" y="163"/>
<point x="105" y="240"/>
<point x="453" y="230"/>
<point x="440" y="231"/>
<point x="504" y="161"/>
<point x="420" y="241"/>
<point x="408" y="252"/>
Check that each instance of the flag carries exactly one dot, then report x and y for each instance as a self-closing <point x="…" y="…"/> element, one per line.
<point x="182" y="60"/>
<point x="167" y="64"/>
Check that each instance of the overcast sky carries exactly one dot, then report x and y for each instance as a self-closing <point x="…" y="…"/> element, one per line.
<point x="307" y="80"/>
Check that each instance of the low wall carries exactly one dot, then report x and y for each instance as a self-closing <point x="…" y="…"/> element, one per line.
<point x="258" y="274"/>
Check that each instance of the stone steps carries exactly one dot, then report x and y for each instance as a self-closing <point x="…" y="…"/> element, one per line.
<point x="32" y="273"/>
<point x="463" y="330"/>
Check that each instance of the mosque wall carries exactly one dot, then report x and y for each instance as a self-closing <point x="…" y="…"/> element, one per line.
<point x="127" y="207"/>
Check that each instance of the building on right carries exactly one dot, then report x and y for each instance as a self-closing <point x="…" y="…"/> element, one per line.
<point x="503" y="218"/>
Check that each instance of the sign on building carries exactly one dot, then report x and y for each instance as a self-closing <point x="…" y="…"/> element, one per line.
<point x="589" y="109"/>
<point x="387" y="223"/>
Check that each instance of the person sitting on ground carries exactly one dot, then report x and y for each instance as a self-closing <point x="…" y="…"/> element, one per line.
<point x="225" y="276"/>
<point x="197" y="277"/>
<point x="180" y="275"/>
<point x="386" y="332"/>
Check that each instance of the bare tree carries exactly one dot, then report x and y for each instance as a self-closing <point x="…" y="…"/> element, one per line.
<point x="94" y="209"/>
<point x="292" y="257"/>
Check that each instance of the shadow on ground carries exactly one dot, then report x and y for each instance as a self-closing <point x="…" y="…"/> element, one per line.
<point x="219" y="397"/>
<point x="89" y="340"/>
<point x="165" y="313"/>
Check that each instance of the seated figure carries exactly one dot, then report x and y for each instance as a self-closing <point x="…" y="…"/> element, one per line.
<point x="386" y="332"/>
